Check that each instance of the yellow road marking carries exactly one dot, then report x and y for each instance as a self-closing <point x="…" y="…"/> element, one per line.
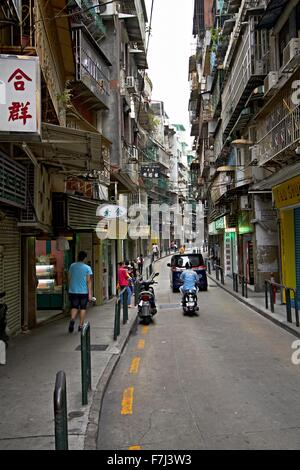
<point x="145" y="330"/>
<point x="127" y="401"/>
<point x="141" y="344"/>
<point x="134" y="368"/>
<point x="134" y="448"/>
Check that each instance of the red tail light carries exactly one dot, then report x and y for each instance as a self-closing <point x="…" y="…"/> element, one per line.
<point x="145" y="297"/>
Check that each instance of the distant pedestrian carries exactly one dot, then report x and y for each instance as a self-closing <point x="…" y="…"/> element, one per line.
<point x="140" y="264"/>
<point x="80" y="289"/>
<point x="154" y="251"/>
<point x="182" y="249"/>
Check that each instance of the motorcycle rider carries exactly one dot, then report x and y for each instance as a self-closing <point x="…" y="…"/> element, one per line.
<point x="190" y="279"/>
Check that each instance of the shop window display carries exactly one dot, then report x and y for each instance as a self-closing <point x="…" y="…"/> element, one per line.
<point x="50" y="275"/>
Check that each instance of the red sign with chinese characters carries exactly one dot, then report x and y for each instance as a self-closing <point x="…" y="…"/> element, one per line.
<point x="19" y="94"/>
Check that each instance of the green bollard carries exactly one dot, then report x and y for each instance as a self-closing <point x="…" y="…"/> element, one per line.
<point x="85" y="363"/>
<point x="288" y="305"/>
<point x="60" y="412"/>
<point x="125" y="307"/>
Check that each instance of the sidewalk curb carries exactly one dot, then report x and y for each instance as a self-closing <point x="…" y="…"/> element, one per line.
<point x="257" y="309"/>
<point x="92" y="430"/>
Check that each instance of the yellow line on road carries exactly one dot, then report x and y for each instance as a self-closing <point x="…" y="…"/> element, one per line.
<point x="145" y="329"/>
<point x="141" y="344"/>
<point x="127" y="401"/>
<point x="134" y="368"/>
<point x="134" y="448"/>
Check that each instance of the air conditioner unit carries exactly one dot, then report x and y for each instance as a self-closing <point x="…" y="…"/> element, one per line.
<point x="130" y="84"/>
<point x="291" y="55"/>
<point x="111" y="9"/>
<point x="270" y="82"/>
<point x="244" y="203"/>
<point x="134" y="155"/>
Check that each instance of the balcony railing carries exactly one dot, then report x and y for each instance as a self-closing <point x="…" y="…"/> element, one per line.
<point x="248" y="71"/>
<point x="92" y="71"/>
<point x="284" y="134"/>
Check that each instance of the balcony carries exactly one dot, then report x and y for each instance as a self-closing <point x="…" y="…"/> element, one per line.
<point x="92" y="73"/>
<point x="248" y="72"/>
<point x="136" y="28"/>
<point x="129" y="165"/>
<point x="216" y="105"/>
<point x="282" y="133"/>
<point x="163" y="157"/>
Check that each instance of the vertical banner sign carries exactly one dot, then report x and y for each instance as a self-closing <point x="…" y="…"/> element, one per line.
<point x="20" y="90"/>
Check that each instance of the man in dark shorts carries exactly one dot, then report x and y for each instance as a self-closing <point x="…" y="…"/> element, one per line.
<point x="80" y="289"/>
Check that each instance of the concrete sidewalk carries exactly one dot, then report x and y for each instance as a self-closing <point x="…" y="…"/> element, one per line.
<point x="256" y="301"/>
<point x="28" y="380"/>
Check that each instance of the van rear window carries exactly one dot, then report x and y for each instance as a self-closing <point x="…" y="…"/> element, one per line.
<point x="195" y="260"/>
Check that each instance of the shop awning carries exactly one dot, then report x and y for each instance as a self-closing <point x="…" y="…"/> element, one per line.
<point x="70" y="149"/>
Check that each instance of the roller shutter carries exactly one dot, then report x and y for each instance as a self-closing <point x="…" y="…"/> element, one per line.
<point x="10" y="269"/>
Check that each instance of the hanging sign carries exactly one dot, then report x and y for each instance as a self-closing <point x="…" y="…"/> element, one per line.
<point x="20" y="100"/>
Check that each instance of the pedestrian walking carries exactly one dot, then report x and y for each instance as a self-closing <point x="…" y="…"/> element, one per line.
<point x="182" y="249"/>
<point x="140" y="264"/>
<point x="80" y="289"/>
<point x="154" y="251"/>
<point x="123" y="281"/>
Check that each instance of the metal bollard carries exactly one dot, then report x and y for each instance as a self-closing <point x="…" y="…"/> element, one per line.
<point x="125" y="307"/>
<point x="243" y="286"/>
<point x="271" y="297"/>
<point x="60" y="412"/>
<point x="266" y="295"/>
<point x="117" y="326"/>
<point x="208" y="267"/>
<point x="222" y="277"/>
<point x="217" y="273"/>
<point x="288" y="305"/>
<point x="296" y="307"/>
<point x="86" y="374"/>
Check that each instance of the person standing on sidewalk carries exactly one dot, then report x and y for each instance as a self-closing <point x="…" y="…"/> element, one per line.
<point x="80" y="289"/>
<point x="140" y="263"/>
<point x="123" y="281"/>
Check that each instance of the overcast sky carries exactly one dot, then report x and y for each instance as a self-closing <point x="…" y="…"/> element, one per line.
<point x="168" y="56"/>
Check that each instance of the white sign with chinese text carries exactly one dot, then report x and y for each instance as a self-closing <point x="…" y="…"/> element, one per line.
<point x="19" y="94"/>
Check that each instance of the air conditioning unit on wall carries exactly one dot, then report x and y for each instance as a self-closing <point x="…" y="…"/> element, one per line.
<point x="244" y="203"/>
<point x="270" y="82"/>
<point x="131" y="84"/>
<point x="111" y="9"/>
<point x="291" y="55"/>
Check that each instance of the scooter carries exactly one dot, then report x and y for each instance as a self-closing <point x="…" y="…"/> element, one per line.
<point x="3" y="322"/>
<point x="190" y="302"/>
<point x="146" y="299"/>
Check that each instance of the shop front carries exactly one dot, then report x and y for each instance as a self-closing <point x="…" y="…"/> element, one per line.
<point x="287" y="200"/>
<point x="53" y="257"/>
<point x="245" y="246"/>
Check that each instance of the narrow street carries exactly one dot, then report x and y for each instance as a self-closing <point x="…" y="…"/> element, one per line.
<point x="220" y="380"/>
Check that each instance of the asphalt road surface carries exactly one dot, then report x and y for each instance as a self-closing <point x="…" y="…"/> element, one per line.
<point x="221" y="380"/>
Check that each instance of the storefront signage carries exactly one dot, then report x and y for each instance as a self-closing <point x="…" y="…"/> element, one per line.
<point x="20" y="90"/>
<point x="150" y="171"/>
<point x="212" y="229"/>
<point x="111" y="211"/>
<point x="288" y="193"/>
<point x="244" y="224"/>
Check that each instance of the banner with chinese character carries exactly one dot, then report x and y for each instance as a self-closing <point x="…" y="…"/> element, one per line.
<point x="20" y="100"/>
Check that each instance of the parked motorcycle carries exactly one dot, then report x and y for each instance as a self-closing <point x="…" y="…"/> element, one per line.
<point x="146" y="299"/>
<point x="3" y="322"/>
